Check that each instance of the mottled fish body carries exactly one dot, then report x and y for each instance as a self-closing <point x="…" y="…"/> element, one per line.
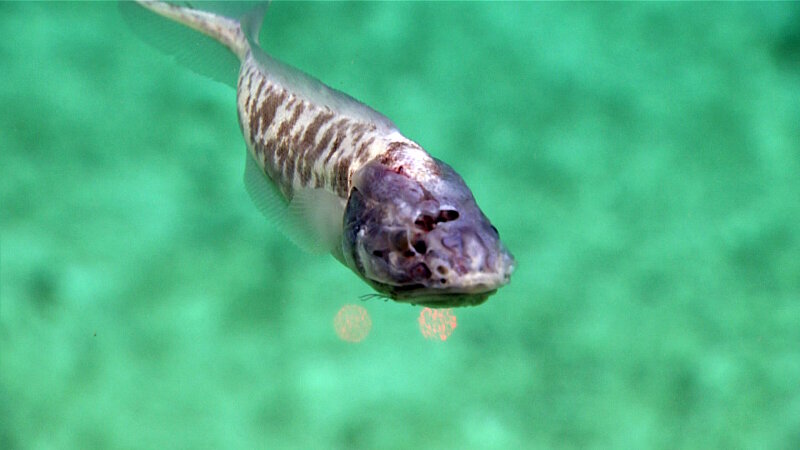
<point x="302" y="143"/>
<point x="338" y="176"/>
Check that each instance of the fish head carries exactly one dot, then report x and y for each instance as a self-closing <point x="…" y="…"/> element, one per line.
<point x="422" y="239"/>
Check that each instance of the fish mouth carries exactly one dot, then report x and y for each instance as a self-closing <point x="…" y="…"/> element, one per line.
<point x="471" y="289"/>
<point x="437" y="297"/>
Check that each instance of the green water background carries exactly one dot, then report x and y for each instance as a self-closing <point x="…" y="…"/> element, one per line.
<point x="642" y="161"/>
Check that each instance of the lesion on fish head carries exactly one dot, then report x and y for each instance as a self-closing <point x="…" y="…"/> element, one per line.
<point x="422" y="239"/>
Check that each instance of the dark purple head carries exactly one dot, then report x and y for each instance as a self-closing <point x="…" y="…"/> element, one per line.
<point x="419" y="237"/>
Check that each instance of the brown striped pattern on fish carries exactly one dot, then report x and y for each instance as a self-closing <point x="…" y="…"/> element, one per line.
<point x="298" y="143"/>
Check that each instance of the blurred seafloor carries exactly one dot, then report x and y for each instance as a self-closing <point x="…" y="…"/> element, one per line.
<point x="642" y="161"/>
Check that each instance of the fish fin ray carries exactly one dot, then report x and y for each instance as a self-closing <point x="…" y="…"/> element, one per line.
<point x="317" y="215"/>
<point x="309" y="220"/>
<point x="264" y="194"/>
<point x="197" y="51"/>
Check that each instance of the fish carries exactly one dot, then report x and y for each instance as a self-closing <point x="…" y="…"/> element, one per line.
<point x="338" y="177"/>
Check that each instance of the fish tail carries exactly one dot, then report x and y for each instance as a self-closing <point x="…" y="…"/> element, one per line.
<point x="226" y="30"/>
<point x="233" y="25"/>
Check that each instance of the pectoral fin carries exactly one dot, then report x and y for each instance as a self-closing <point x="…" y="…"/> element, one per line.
<point x="312" y="219"/>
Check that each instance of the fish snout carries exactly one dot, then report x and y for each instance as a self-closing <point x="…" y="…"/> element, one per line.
<point x="467" y="259"/>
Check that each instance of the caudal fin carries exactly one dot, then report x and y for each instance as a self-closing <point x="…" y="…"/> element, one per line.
<point x="211" y="38"/>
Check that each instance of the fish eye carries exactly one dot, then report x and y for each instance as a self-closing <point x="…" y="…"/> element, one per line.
<point x="447" y="215"/>
<point x="425" y="222"/>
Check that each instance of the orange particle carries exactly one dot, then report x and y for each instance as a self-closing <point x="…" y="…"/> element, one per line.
<point x="437" y="323"/>
<point x="352" y="323"/>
